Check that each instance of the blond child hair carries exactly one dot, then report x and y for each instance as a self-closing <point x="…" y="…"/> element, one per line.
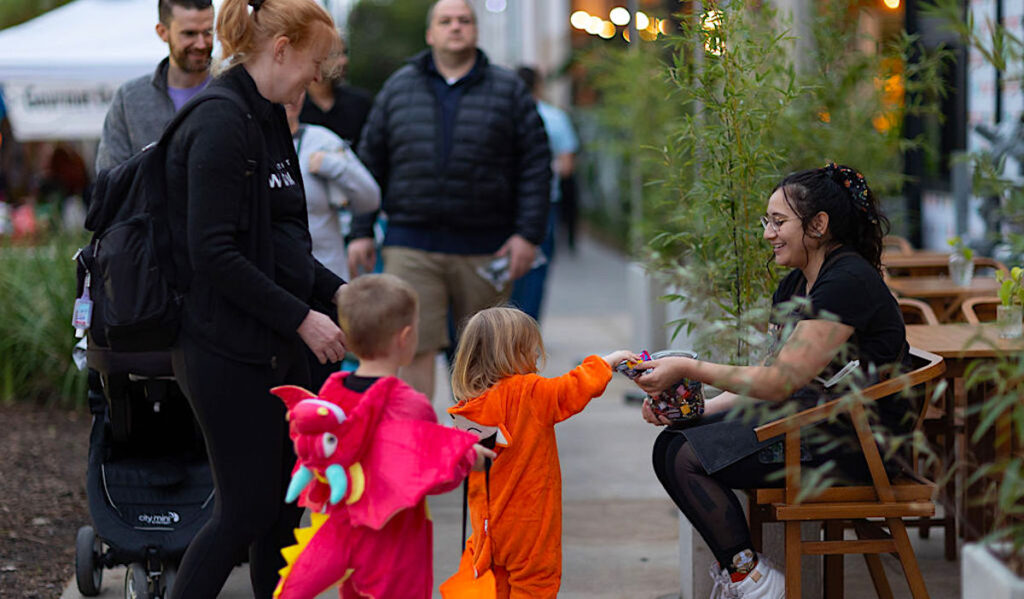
<point x="372" y="309"/>
<point x="495" y="343"/>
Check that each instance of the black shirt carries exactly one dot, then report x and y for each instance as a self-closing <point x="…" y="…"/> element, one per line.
<point x="850" y="289"/>
<point x="293" y="263"/>
<point x="359" y="384"/>
<point x="448" y="96"/>
<point x="346" y="117"/>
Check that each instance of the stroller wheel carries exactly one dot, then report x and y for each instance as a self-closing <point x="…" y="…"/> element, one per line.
<point x="88" y="569"/>
<point x="136" y="582"/>
<point x="167" y="581"/>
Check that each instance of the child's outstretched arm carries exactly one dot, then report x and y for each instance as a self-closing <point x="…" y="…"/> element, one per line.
<point x="617" y="357"/>
<point x="559" y="398"/>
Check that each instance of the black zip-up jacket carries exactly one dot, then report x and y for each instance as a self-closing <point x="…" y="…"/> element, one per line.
<point x="241" y="242"/>
<point x="497" y="175"/>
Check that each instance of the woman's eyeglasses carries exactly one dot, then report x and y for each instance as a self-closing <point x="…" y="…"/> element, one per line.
<point x="774" y="223"/>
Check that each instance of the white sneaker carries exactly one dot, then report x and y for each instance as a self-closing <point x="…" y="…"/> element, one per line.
<point x="763" y="582"/>
<point x="724" y="587"/>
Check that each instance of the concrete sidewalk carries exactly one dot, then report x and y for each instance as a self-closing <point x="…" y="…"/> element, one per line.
<point x="619" y="536"/>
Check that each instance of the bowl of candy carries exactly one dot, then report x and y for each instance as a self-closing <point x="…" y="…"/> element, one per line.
<point x="683" y="401"/>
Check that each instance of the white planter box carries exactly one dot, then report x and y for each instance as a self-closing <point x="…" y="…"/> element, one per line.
<point x="983" y="575"/>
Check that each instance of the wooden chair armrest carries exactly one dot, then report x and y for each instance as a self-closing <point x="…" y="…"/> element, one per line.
<point x="799" y="420"/>
<point x="933" y="368"/>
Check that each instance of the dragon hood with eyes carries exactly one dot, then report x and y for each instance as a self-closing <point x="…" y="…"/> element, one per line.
<point x="363" y="469"/>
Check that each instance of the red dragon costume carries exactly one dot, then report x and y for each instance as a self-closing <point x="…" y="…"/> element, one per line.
<point x="366" y="462"/>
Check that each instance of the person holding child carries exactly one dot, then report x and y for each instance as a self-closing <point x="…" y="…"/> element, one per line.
<point x="377" y="538"/>
<point x="826" y="225"/>
<point x="516" y="505"/>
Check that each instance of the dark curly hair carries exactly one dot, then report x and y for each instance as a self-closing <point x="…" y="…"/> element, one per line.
<point x="854" y="219"/>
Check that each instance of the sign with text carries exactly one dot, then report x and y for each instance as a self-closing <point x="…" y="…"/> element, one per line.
<point x="57" y="110"/>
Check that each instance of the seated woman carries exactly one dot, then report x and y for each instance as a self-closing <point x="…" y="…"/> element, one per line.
<point x="826" y="225"/>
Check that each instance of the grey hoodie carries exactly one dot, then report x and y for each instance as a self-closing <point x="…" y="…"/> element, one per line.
<point x="343" y="182"/>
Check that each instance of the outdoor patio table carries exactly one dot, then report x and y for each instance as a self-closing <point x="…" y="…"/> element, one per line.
<point x="918" y="263"/>
<point x="960" y="344"/>
<point x="940" y="292"/>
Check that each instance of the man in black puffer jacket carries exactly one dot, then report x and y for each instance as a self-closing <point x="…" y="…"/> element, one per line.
<point x="462" y="160"/>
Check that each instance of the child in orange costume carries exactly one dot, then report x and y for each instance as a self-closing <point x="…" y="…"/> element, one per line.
<point x="516" y="507"/>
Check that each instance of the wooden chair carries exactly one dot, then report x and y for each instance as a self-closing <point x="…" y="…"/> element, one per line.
<point x="940" y="429"/>
<point x="977" y="310"/>
<point x="916" y="312"/>
<point x="889" y="500"/>
<point x="937" y="266"/>
<point x="982" y="262"/>
<point x="895" y="243"/>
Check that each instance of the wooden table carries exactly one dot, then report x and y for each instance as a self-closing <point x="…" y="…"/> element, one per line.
<point x="940" y="292"/>
<point x="922" y="262"/>
<point x="960" y="344"/>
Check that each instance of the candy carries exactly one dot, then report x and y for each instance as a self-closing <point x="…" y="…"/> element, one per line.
<point x="629" y="367"/>
<point x="682" y="401"/>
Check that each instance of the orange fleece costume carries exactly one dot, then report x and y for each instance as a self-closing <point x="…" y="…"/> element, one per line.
<point x="516" y="546"/>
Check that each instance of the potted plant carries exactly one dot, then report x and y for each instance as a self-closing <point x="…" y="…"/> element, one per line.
<point x="961" y="262"/>
<point x="1011" y="294"/>
<point x="994" y="567"/>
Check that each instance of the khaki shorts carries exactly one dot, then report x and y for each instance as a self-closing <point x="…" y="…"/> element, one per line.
<point x="443" y="280"/>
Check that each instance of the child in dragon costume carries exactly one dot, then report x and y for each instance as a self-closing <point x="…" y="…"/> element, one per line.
<point x="516" y="506"/>
<point x="369" y="451"/>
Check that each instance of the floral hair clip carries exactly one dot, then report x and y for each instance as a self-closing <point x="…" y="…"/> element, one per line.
<point x="856" y="186"/>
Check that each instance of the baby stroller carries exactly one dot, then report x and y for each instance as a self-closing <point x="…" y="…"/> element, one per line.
<point x="148" y="481"/>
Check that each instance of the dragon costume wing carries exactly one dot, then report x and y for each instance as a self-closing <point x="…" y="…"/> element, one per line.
<point x="408" y="460"/>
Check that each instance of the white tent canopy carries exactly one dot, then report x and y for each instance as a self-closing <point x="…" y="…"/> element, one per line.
<point x="59" y="71"/>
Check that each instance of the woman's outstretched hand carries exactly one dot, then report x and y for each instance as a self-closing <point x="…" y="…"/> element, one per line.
<point x="664" y="373"/>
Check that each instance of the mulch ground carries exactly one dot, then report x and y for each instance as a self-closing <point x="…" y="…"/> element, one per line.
<point x="43" y="454"/>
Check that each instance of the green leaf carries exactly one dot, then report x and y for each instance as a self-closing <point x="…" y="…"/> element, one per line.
<point x="1006" y="292"/>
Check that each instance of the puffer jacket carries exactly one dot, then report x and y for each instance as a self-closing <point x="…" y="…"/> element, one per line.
<point x="497" y="175"/>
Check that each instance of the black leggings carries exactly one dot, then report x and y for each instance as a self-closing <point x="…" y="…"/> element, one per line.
<point x="251" y="457"/>
<point x="708" y="500"/>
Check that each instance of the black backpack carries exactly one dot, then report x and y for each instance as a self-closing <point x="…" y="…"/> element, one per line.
<point x="128" y="265"/>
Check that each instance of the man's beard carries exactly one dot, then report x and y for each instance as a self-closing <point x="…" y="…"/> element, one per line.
<point x="187" y="60"/>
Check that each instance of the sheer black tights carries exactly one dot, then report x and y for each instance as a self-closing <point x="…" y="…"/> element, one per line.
<point x="708" y="501"/>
